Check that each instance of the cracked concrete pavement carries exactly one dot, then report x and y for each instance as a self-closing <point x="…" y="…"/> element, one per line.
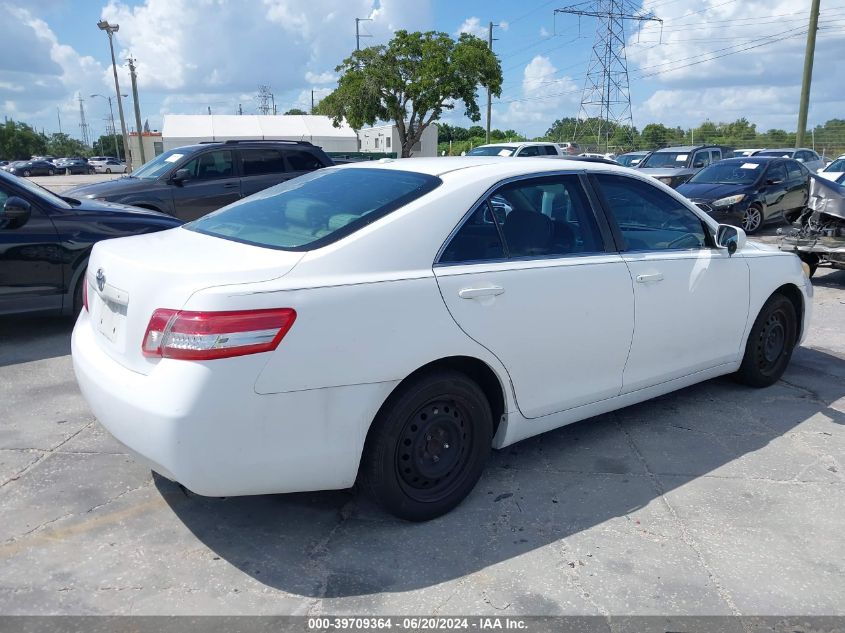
<point x="717" y="499"/>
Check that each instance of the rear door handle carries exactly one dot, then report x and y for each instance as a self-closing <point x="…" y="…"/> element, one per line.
<point x="486" y="291"/>
<point x="230" y="185"/>
<point x="644" y="279"/>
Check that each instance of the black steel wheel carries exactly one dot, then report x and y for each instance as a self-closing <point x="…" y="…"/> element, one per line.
<point x="428" y="445"/>
<point x="770" y="343"/>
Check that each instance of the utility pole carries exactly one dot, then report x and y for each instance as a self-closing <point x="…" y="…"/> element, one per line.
<point x="489" y="95"/>
<point x="809" y="54"/>
<point x="59" y="114"/>
<point x="110" y="30"/>
<point x="358" y="34"/>
<point x="312" y="101"/>
<point x="113" y="131"/>
<point x="240" y="110"/>
<point x="273" y="101"/>
<point x="134" y="78"/>
<point x="606" y="99"/>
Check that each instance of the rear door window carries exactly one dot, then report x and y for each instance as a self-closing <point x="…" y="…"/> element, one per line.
<point x="316" y="209"/>
<point x="211" y="165"/>
<point x="531" y="150"/>
<point x="257" y="162"/>
<point x="302" y="161"/>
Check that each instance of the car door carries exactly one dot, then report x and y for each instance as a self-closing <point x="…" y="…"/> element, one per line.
<point x="262" y="168"/>
<point x="30" y="261"/>
<point x="691" y="299"/>
<point x="531" y="276"/>
<point x="212" y="183"/>
<point x="798" y="178"/>
<point x="776" y="189"/>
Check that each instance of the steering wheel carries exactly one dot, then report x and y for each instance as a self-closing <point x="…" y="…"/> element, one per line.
<point x="682" y="238"/>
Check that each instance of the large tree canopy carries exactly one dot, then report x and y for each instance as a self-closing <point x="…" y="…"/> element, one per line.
<point x="411" y="81"/>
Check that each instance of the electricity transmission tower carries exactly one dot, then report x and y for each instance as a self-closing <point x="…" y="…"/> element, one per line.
<point x="83" y="126"/>
<point x="266" y="100"/>
<point x="606" y="99"/>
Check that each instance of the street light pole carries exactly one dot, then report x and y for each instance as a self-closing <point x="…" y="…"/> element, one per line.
<point x="110" y="30"/>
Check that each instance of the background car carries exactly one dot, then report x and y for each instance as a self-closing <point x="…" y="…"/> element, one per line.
<point x="607" y="156"/>
<point x="807" y="157"/>
<point x="569" y="148"/>
<point x="749" y="192"/>
<point x="391" y="323"/>
<point x="74" y="166"/>
<point x="519" y="149"/>
<point x="32" y="168"/>
<point x="45" y="241"/>
<point x="111" y="166"/>
<point x="673" y="166"/>
<point x="190" y="181"/>
<point x="739" y="153"/>
<point x="631" y="159"/>
<point x="834" y="170"/>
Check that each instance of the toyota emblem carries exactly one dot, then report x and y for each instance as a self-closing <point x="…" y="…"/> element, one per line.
<point x="101" y="279"/>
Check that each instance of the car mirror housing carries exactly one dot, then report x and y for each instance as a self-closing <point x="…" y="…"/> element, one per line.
<point x="730" y="237"/>
<point x="16" y="211"/>
<point x="181" y="176"/>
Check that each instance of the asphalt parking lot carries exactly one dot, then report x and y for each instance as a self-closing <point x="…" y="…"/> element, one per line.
<point x="717" y="499"/>
<point x="59" y="184"/>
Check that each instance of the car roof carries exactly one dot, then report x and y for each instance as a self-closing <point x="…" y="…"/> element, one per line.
<point x="785" y="150"/>
<point x="750" y="159"/>
<point x="503" y="165"/>
<point x="683" y="148"/>
<point x="516" y="144"/>
<point x="637" y="152"/>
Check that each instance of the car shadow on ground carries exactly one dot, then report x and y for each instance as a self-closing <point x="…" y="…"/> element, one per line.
<point x="25" y="338"/>
<point x="829" y="278"/>
<point x="532" y="494"/>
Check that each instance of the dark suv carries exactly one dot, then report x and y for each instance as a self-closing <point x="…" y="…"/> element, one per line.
<point x="675" y="165"/>
<point x="189" y="182"/>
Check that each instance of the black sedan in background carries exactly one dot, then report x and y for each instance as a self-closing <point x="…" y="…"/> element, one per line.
<point x="73" y="166"/>
<point x="32" y="168"/>
<point x="45" y="241"/>
<point x="749" y="192"/>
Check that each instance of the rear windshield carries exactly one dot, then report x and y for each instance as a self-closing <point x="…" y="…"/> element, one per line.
<point x="666" y="159"/>
<point x="316" y="209"/>
<point x="491" y="150"/>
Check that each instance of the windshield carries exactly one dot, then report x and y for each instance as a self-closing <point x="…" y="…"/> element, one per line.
<point x="159" y="165"/>
<point x="491" y="150"/>
<point x="778" y="153"/>
<point x="626" y="160"/>
<point x="729" y="173"/>
<point x="316" y="209"/>
<point x="676" y="160"/>
<point x="837" y="165"/>
<point x="38" y="190"/>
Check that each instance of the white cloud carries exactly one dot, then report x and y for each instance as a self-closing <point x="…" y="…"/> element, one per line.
<point x="320" y="78"/>
<point x="544" y="32"/>
<point x="473" y="26"/>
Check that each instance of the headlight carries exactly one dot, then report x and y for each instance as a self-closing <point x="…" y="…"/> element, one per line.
<point x="726" y="202"/>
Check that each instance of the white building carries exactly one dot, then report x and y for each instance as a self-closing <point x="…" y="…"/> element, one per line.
<point x="187" y="129"/>
<point x="385" y="139"/>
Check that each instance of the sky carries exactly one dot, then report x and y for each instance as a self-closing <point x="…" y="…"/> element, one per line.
<point x="715" y="60"/>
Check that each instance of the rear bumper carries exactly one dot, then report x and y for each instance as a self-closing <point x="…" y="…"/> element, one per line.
<point x="203" y="425"/>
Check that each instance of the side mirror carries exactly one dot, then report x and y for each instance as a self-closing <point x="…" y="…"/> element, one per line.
<point x="698" y="164"/>
<point x="771" y="181"/>
<point x="730" y="237"/>
<point x="180" y="176"/>
<point x="800" y="160"/>
<point x="16" y="212"/>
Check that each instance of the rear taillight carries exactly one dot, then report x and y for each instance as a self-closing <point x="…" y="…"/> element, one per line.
<point x="209" y="335"/>
<point x="85" y="292"/>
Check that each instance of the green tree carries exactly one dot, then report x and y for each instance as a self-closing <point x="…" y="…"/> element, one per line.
<point x="296" y="111"/>
<point x="411" y="81"/>
<point x="19" y="141"/>
<point x="60" y="144"/>
<point x="655" y="135"/>
<point x="104" y="146"/>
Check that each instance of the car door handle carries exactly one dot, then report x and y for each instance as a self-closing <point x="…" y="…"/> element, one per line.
<point x="474" y="293"/>
<point x="230" y="185"/>
<point x="644" y="279"/>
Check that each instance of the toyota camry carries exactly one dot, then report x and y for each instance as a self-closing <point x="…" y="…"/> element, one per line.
<point x="391" y="323"/>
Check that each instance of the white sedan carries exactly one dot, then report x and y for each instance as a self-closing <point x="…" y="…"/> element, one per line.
<point x="834" y="170"/>
<point x="392" y="322"/>
<point x="110" y="166"/>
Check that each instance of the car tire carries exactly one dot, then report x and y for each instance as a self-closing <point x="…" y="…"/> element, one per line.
<point x="770" y="343"/>
<point x="752" y="219"/>
<point x="77" y="295"/>
<point x="428" y="445"/>
<point x="67" y="171"/>
<point x="50" y="172"/>
<point x="27" y="173"/>
<point x="108" y="171"/>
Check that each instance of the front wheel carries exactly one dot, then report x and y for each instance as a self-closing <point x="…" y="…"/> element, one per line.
<point x="27" y="173"/>
<point x="50" y="172"/>
<point x="752" y="219"/>
<point x="428" y="446"/>
<point x="108" y="171"/>
<point x="770" y="343"/>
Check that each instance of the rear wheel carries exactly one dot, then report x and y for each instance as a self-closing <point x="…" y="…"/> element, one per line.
<point x="752" y="220"/>
<point x="108" y="170"/>
<point x="770" y="343"/>
<point x="428" y="446"/>
<point x="50" y="172"/>
<point x="27" y="173"/>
